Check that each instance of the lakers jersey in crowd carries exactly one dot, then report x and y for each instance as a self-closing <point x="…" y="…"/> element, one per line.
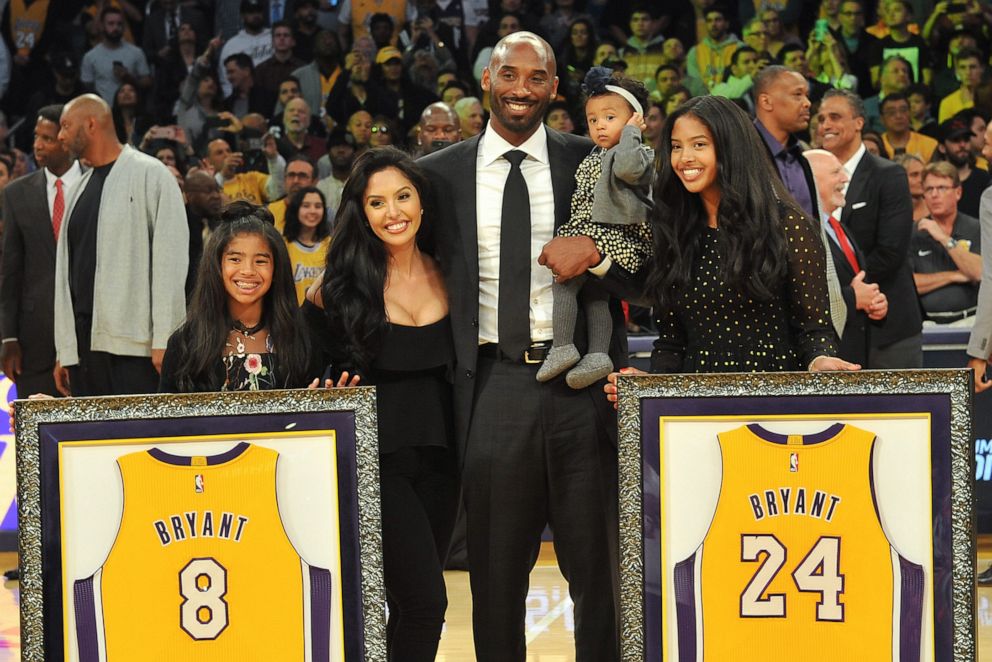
<point x="795" y="564"/>
<point x="202" y="568"/>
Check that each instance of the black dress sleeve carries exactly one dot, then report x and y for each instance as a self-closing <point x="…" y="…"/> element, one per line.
<point x="807" y="299"/>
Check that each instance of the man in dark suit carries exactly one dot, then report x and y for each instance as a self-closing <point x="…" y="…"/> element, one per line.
<point x="532" y="453"/>
<point x="34" y="206"/>
<point x="781" y="110"/>
<point x="863" y="300"/>
<point x="879" y="213"/>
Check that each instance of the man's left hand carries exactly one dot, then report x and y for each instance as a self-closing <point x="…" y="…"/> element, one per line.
<point x="929" y="225"/>
<point x="568" y="257"/>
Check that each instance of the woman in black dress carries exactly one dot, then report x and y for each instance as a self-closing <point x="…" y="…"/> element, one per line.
<point x="739" y="275"/>
<point x="242" y="328"/>
<point x="386" y="320"/>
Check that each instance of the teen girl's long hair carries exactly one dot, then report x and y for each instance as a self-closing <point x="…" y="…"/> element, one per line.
<point x="753" y="202"/>
<point x="355" y="275"/>
<point x="204" y="333"/>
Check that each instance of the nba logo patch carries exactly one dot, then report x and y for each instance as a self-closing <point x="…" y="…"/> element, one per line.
<point x="198" y="483"/>
<point x="793" y="462"/>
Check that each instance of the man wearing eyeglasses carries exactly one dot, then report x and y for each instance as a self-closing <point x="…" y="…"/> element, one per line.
<point x="945" y="251"/>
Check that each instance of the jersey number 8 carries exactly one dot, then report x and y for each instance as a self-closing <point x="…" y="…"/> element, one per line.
<point x="203" y="585"/>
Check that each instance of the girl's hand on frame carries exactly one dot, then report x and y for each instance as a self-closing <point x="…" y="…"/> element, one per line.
<point x="344" y="381"/>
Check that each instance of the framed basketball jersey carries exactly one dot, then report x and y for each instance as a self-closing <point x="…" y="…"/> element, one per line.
<point x="212" y="527"/>
<point x="797" y="516"/>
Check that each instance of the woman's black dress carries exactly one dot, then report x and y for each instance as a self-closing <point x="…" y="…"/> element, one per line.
<point x="715" y="327"/>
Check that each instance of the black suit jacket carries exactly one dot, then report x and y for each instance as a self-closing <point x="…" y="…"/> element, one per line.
<point x="879" y="212"/>
<point x="452" y="172"/>
<point x="854" y="340"/>
<point x="27" y="273"/>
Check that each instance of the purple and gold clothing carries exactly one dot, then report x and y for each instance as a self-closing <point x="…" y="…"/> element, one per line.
<point x="202" y="568"/>
<point x="795" y="564"/>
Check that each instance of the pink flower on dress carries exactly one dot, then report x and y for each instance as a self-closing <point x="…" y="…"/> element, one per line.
<point x="253" y="364"/>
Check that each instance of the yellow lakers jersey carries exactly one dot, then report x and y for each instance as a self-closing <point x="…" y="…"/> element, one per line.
<point x="795" y="564"/>
<point x="202" y="568"/>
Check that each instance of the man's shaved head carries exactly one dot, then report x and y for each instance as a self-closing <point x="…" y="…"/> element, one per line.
<point x="507" y="43"/>
<point x="87" y="126"/>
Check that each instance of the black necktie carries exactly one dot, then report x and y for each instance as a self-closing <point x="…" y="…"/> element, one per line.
<point x="514" y="261"/>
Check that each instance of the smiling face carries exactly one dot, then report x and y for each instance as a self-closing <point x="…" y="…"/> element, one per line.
<point x="246" y="267"/>
<point x="521" y="81"/>
<point x="606" y="116"/>
<point x="694" y="157"/>
<point x="839" y="130"/>
<point x="393" y="209"/>
<point x="830" y="178"/>
<point x="311" y="212"/>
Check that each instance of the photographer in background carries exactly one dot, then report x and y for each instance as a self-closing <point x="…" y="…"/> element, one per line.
<point x="239" y="173"/>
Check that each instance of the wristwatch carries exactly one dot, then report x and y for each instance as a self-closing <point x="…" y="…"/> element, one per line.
<point x="951" y="243"/>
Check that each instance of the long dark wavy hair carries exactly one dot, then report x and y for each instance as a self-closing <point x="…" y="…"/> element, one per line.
<point x="355" y="275"/>
<point x="292" y="229"/>
<point x="204" y="333"/>
<point x="753" y="201"/>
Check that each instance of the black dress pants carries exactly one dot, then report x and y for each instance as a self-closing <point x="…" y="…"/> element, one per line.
<point x="539" y="454"/>
<point x="419" y="493"/>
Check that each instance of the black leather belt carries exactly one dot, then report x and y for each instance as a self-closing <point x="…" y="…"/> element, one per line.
<point x="536" y="353"/>
<point x="947" y="318"/>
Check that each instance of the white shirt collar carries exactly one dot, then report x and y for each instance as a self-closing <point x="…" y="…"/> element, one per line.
<point x="852" y="163"/>
<point x="494" y="146"/>
<point x="71" y="174"/>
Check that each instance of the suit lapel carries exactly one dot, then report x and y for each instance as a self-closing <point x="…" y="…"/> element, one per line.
<point x="37" y="204"/>
<point x="562" y="179"/>
<point x="465" y="206"/>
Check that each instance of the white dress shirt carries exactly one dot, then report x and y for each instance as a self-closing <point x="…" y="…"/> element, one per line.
<point x="69" y="179"/>
<point x="849" y="167"/>
<point x="491" y="173"/>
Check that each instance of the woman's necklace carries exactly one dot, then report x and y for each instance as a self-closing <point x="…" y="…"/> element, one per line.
<point x="243" y="333"/>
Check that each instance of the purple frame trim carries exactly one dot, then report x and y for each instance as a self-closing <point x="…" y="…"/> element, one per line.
<point x="51" y="435"/>
<point x="320" y="614"/>
<point x="937" y="404"/>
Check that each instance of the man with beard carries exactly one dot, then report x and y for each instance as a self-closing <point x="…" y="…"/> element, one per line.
<point x="318" y="78"/>
<point x="254" y="40"/>
<point x="955" y="144"/>
<point x="296" y="136"/>
<point x="107" y="64"/>
<point x="305" y="29"/>
<point x="501" y="194"/>
<point x="203" y="205"/>
<point x="710" y="57"/>
<point x="121" y="261"/>
<point x="878" y="210"/>
<point x="34" y="208"/>
<point x="439" y="127"/>
<point x="335" y="167"/>
<point x="862" y="301"/>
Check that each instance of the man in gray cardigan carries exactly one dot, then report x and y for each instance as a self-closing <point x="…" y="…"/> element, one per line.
<point x="120" y="263"/>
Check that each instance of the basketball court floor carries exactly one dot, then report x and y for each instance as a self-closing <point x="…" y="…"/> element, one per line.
<point x="549" y="623"/>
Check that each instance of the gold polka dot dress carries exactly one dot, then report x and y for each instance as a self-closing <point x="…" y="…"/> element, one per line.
<point x="715" y="327"/>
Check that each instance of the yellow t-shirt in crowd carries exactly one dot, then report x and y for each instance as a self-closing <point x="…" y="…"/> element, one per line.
<point x="307" y="263"/>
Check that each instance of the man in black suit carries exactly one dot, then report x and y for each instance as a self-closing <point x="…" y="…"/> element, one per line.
<point x="532" y="453"/>
<point x="27" y="274"/>
<point x="879" y="212"/>
<point x="863" y="300"/>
